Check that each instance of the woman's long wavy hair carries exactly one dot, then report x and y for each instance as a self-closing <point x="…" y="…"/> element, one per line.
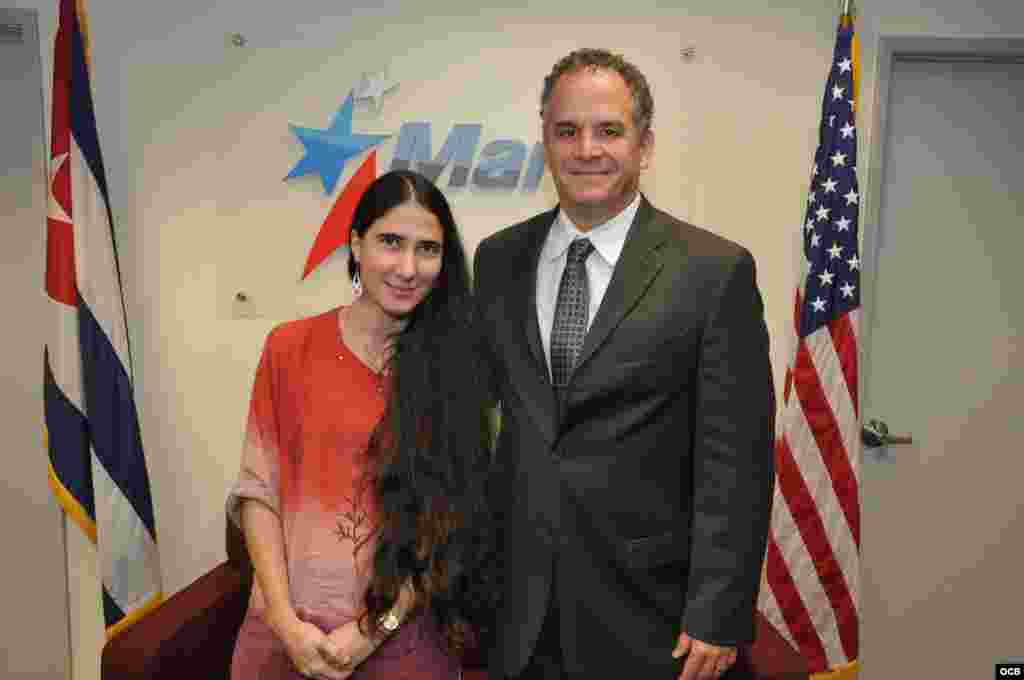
<point x="431" y="451"/>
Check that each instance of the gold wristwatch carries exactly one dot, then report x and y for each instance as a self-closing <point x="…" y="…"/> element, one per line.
<point x="390" y="622"/>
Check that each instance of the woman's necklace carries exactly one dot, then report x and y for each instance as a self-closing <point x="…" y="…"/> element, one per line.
<point x="376" y="359"/>
<point x="360" y="345"/>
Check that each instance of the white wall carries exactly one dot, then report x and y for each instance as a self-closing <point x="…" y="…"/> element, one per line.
<point x="196" y="143"/>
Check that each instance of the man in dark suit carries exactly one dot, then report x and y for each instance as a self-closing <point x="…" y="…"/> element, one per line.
<point x="629" y="353"/>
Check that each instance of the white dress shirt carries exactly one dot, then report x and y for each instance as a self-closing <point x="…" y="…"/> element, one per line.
<point x="608" y="240"/>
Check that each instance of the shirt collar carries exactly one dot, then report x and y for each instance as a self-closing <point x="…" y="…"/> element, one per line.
<point x="608" y="238"/>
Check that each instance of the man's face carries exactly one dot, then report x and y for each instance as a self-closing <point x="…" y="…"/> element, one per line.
<point x="592" y="145"/>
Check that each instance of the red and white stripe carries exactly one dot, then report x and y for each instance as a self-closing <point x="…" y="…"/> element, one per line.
<point x="814" y="547"/>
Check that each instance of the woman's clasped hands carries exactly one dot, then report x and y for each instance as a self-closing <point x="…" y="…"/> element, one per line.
<point x="322" y="656"/>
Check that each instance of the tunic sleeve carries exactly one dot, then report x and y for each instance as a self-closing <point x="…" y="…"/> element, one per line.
<point x="259" y="477"/>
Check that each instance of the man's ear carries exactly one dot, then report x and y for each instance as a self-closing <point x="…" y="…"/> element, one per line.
<point x="647" y="141"/>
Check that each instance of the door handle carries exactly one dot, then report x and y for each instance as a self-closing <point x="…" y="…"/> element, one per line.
<point x="876" y="433"/>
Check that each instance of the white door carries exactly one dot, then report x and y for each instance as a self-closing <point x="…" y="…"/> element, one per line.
<point x="33" y="581"/>
<point x="943" y="518"/>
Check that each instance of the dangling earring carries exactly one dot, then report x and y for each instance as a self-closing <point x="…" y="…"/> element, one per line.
<point x="357" y="284"/>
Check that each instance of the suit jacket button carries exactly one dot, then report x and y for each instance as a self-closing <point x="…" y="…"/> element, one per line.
<point x="547" y="536"/>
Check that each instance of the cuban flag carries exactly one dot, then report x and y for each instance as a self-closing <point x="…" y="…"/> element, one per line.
<point x="97" y="467"/>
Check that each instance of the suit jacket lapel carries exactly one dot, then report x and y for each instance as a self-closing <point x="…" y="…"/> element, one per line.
<point x="637" y="267"/>
<point x="531" y="327"/>
<point x="541" y="401"/>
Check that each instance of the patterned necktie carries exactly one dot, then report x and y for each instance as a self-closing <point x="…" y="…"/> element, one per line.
<point x="571" y="311"/>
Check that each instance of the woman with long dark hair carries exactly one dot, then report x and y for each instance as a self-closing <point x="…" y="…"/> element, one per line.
<point x="361" y="493"/>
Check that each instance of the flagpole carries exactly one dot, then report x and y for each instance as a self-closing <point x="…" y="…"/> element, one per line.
<point x="64" y="521"/>
<point x="846" y="7"/>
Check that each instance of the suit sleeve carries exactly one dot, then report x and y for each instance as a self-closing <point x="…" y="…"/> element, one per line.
<point x="733" y="463"/>
<point x="485" y="351"/>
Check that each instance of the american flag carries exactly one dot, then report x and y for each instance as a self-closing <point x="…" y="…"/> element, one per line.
<point x="97" y="468"/>
<point x="812" y="564"/>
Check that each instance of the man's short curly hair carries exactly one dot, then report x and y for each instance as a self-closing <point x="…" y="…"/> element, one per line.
<point x="597" y="58"/>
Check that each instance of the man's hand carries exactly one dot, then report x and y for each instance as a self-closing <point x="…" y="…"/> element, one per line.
<point x="313" y="654"/>
<point x="704" y="661"/>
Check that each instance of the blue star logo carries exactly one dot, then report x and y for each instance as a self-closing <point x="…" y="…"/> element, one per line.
<point x="328" y="150"/>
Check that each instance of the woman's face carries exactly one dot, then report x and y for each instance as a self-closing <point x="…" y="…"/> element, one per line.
<point x="399" y="258"/>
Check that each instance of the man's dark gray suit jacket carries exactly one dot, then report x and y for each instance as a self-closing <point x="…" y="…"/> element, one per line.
<point x="649" y="486"/>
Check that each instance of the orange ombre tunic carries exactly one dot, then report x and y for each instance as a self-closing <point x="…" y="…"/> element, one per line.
<point x="314" y="405"/>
